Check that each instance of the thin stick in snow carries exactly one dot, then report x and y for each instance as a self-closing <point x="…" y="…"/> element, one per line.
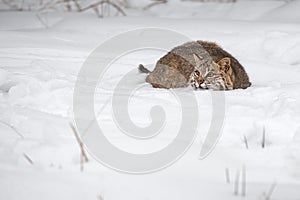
<point x="13" y="128"/>
<point x="42" y="21"/>
<point x="83" y="156"/>
<point x="28" y="158"/>
<point x="236" y="183"/>
<point x="99" y="3"/>
<point x="271" y="190"/>
<point x="246" y="142"/>
<point x="244" y="181"/>
<point x="97" y="11"/>
<point x="156" y="2"/>
<point x="263" y="142"/>
<point x="227" y="175"/>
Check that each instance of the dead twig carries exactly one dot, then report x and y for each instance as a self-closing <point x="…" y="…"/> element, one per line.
<point x="77" y="5"/>
<point x="28" y="158"/>
<point x="68" y="5"/>
<point x="246" y="142"/>
<point x="156" y="2"/>
<point x="83" y="156"/>
<point x="236" y="183"/>
<point x="54" y="4"/>
<point x="42" y="21"/>
<point x="271" y="190"/>
<point x="227" y="175"/>
<point x="13" y="128"/>
<point x="51" y="5"/>
<point x="263" y="142"/>
<point x="244" y="183"/>
<point x="99" y="3"/>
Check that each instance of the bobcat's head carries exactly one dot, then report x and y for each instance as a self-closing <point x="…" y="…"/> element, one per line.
<point x="216" y="76"/>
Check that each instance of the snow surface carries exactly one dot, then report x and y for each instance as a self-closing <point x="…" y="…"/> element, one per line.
<point x="39" y="155"/>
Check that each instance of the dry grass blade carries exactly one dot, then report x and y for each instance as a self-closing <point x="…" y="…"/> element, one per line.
<point x="83" y="156"/>
<point x="263" y="142"/>
<point x="156" y="2"/>
<point x="271" y="190"/>
<point x="77" y="5"/>
<point x="118" y="8"/>
<point x="244" y="186"/>
<point x="95" y="5"/>
<point x="246" y="142"/>
<point x="236" y="183"/>
<point x="42" y="21"/>
<point x="227" y="175"/>
<point x="28" y="158"/>
<point x="13" y="128"/>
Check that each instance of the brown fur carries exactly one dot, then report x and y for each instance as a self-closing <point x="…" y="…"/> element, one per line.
<point x="169" y="68"/>
<point x="177" y="67"/>
<point x="241" y="79"/>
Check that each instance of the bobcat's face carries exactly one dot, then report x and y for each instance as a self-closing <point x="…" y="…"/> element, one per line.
<point x="217" y="76"/>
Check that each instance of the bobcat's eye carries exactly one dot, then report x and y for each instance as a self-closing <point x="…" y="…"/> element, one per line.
<point x="209" y="74"/>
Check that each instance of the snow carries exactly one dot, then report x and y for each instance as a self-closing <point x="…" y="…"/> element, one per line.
<point x="243" y="10"/>
<point x="286" y="12"/>
<point x="39" y="67"/>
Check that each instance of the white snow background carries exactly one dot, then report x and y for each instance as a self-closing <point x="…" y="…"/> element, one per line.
<point x="40" y="157"/>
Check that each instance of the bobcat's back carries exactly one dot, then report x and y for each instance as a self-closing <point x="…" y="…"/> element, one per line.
<point x="175" y="69"/>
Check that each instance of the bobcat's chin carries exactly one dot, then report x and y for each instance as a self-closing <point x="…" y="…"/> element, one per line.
<point x="196" y="86"/>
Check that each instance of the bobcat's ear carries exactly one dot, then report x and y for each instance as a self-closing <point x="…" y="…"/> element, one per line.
<point x="225" y="65"/>
<point x="197" y="59"/>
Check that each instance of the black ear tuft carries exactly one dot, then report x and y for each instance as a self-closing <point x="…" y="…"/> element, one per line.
<point x="226" y="68"/>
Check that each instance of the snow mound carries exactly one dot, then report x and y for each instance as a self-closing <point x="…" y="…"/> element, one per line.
<point x="27" y="20"/>
<point x="240" y="10"/>
<point x="287" y="12"/>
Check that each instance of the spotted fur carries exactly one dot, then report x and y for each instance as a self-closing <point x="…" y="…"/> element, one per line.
<point x="217" y="76"/>
<point x="202" y="64"/>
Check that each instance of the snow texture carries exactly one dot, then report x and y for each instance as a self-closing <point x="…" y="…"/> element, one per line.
<point x="40" y="157"/>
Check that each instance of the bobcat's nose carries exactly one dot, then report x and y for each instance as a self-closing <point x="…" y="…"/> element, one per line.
<point x="200" y="80"/>
<point x="201" y="83"/>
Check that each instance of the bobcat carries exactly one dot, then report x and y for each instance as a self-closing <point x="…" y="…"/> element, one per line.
<point x="204" y="65"/>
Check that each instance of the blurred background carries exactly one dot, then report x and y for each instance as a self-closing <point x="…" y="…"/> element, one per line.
<point x="227" y="9"/>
